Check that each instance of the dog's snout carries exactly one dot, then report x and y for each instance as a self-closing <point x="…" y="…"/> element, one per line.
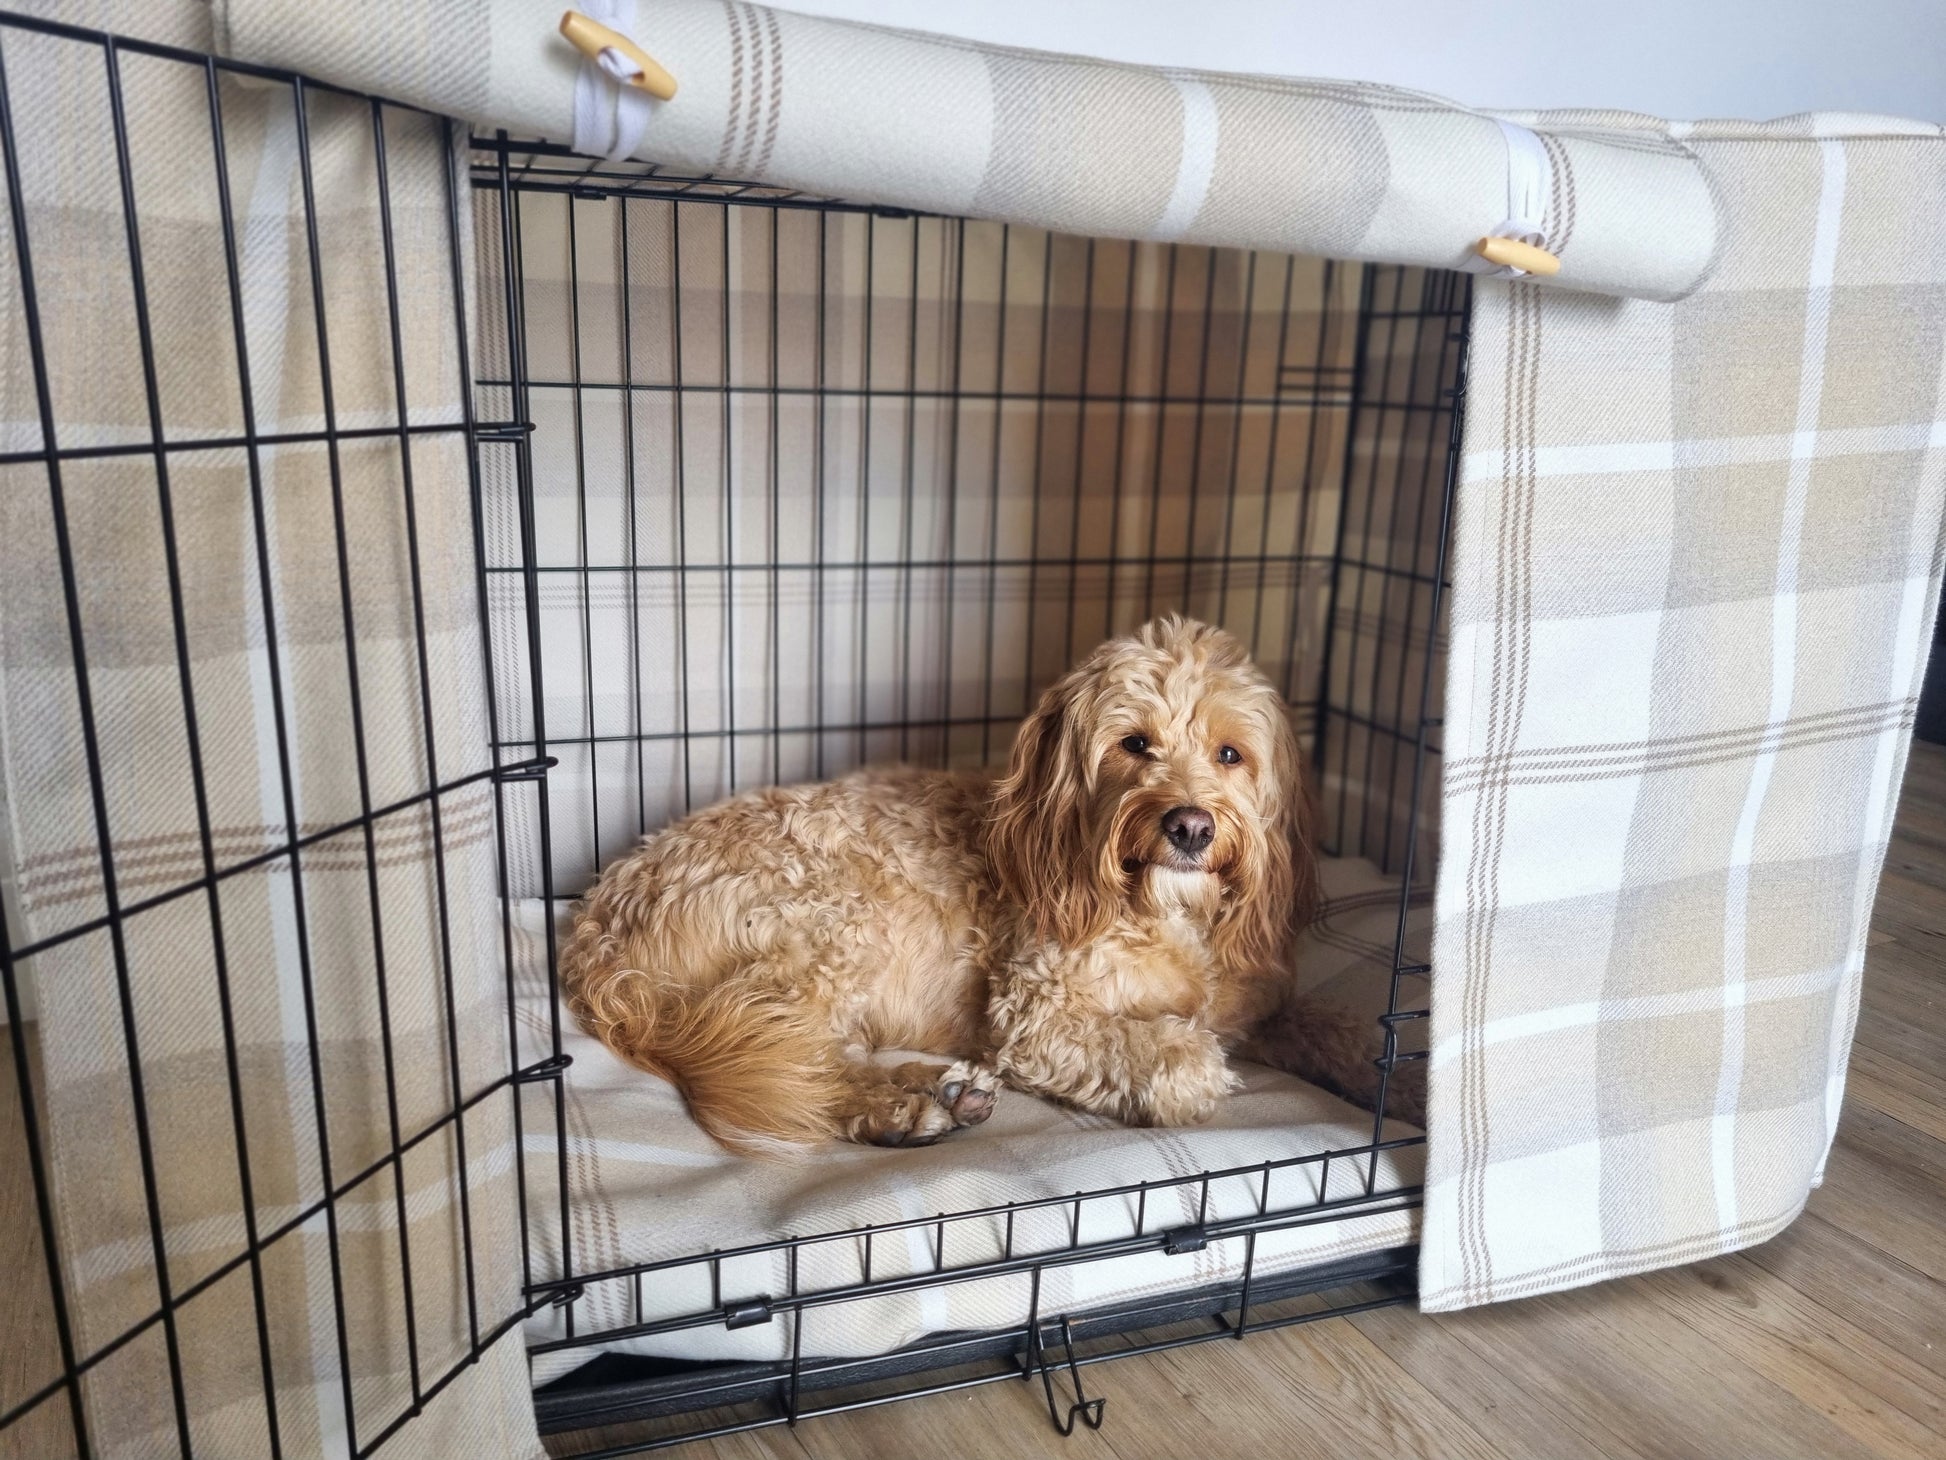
<point x="1190" y="829"/>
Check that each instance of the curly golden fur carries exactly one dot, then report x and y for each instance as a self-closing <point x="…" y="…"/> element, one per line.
<point x="1099" y="925"/>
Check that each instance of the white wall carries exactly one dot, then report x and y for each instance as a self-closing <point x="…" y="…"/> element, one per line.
<point x="1675" y="58"/>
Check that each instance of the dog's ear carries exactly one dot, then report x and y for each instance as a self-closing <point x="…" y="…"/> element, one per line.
<point x="1037" y="834"/>
<point x="1275" y="884"/>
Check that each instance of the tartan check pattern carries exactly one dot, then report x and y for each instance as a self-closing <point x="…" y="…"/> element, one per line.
<point x="227" y="969"/>
<point x="1697" y="548"/>
<point x="1697" y="562"/>
<point x="1335" y="169"/>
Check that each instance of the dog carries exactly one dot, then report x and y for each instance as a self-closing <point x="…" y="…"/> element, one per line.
<point x="1103" y="924"/>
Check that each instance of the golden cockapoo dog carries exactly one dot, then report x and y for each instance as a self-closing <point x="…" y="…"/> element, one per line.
<point x="1098" y="925"/>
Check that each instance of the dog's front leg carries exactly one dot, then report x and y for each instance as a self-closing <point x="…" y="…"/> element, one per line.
<point x="1164" y="1071"/>
<point x="1053" y="1037"/>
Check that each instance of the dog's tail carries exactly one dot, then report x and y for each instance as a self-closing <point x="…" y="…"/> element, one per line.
<point x="759" y="1072"/>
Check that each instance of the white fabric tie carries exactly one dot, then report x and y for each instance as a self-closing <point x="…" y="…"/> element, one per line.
<point x="610" y="116"/>
<point x="1528" y="171"/>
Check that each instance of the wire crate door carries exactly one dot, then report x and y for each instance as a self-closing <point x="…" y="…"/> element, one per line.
<point x="267" y="1094"/>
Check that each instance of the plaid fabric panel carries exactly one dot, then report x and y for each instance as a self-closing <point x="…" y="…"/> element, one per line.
<point x="311" y="1002"/>
<point x="1329" y="168"/>
<point x="1698" y="557"/>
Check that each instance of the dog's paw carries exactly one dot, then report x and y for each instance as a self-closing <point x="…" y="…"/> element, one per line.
<point x="969" y="1090"/>
<point x="902" y="1119"/>
<point x="1189" y="1077"/>
<point x="931" y="1101"/>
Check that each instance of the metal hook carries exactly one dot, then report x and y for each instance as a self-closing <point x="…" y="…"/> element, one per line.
<point x="1089" y="1411"/>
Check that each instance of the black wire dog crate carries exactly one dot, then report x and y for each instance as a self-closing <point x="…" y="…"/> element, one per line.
<point x="764" y="487"/>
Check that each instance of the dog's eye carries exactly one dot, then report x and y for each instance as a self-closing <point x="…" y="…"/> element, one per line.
<point x="1228" y="756"/>
<point x="1136" y="744"/>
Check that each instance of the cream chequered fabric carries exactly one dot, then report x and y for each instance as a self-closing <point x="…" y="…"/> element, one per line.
<point x="1083" y="146"/>
<point x="1697" y="563"/>
<point x="1695" y="559"/>
<point x="289" y="955"/>
<point x="644" y="1181"/>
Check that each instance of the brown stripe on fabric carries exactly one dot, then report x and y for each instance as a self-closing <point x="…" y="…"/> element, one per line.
<point x="731" y="127"/>
<point x="1654" y="144"/>
<point x="591" y="1198"/>
<point x="774" y="102"/>
<point x="1471" y="1155"/>
<point x="397" y="851"/>
<point x="1621" y="1262"/>
<point x="1577" y="772"/>
<point x="187" y="846"/>
<point x="1560" y="224"/>
<point x="1374" y="626"/>
<point x="264" y="836"/>
<point x="1755" y="730"/>
<point x="1512" y="654"/>
<point x="754" y="31"/>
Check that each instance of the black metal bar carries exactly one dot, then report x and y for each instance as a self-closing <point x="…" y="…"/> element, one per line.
<point x="246" y="1186"/>
<point x="775" y="553"/>
<point x="729" y="509"/>
<point x="1028" y="680"/>
<point x="581" y="525"/>
<point x="913" y="393"/>
<point x="682" y="504"/>
<point x="864" y="654"/>
<point x="443" y="909"/>
<point x="1462" y="336"/>
<point x="818" y="506"/>
<point x="985" y="719"/>
<point x="300" y="1218"/>
<point x="1320" y="749"/>
<point x="890" y="565"/>
<point x="9" y="958"/>
<point x="314" y="254"/>
<point x="84" y="694"/>
<point x="1298" y="1216"/>
<point x="184" y="445"/>
<point x="949" y="676"/>
<point x="907" y="503"/>
<point x="515" y="296"/>
<point x="631" y="524"/>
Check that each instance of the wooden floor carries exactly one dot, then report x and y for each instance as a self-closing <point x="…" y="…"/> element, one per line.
<point x="1829" y="1341"/>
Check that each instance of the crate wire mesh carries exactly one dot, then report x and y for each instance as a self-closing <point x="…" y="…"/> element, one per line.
<point x="235" y="1230"/>
<point x="766" y="487"/>
<point x="812" y="486"/>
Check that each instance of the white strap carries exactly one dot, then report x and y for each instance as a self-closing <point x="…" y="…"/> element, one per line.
<point x="610" y="116"/>
<point x="1528" y="172"/>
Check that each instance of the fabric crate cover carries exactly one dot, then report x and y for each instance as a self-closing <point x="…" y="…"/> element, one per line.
<point x="291" y="959"/>
<point x="1697" y="543"/>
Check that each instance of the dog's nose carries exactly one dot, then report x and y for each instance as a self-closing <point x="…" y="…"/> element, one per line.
<point x="1190" y="829"/>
